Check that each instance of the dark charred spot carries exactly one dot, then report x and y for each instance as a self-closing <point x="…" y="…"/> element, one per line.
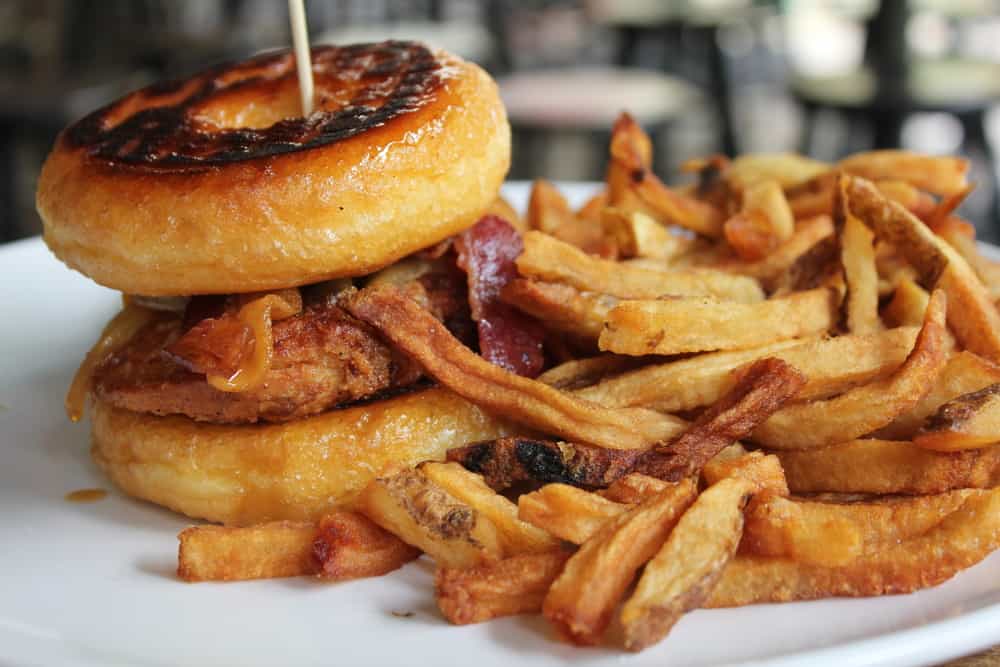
<point x="638" y="175"/>
<point x="396" y="78"/>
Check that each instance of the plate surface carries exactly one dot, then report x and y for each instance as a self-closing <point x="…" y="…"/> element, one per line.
<point x="94" y="584"/>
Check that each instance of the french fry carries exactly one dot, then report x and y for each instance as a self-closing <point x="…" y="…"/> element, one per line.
<point x="869" y="407"/>
<point x="763" y="471"/>
<point x="584" y="596"/>
<point x="986" y="269"/>
<point x="424" y="515"/>
<point x="633" y="488"/>
<point x="888" y="466"/>
<point x="515" y="535"/>
<point x="807" y="234"/>
<point x="964" y="373"/>
<point x="833" y="534"/>
<point x="788" y="169"/>
<point x="547" y="209"/>
<point x="637" y="235"/>
<point x="684" y="571"/>
<point x="515" y="585"/>
<point x="561" y="307"/>
<point x="960" y="540"/>
<point x="910" y="197"/>
<point x="831" y="365"/>
<point x="592" y="208"/>
<point x="631" y="179"/>
<point x="971" y="421"/>
<point x="908" y="305"/>
<point x="348" y="545"/>
<point x="973" y="316"/>
<point x="580" y="373"/>
<point x="567" y="512"/>
<point x="549" y="259"/>
<point x="549" y="212"/>
<point x="764" y="221"/>
<point x="776" y="526"/>
<point x="935" y="174"/>
<point x="857" y="254"/>
<point x="218" y="553"/>
<point x="674" y="326"/>
<point x="416" y="332"/>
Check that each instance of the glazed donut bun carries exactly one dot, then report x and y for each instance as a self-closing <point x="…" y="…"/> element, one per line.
<point x="216" y="184"/>
<point x="299" y="470"/>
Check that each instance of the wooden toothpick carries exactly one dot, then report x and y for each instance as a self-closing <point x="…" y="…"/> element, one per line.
<point x="303" y="59"/>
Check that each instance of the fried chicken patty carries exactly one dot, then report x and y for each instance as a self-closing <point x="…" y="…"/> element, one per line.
<point x="323" y="357"/>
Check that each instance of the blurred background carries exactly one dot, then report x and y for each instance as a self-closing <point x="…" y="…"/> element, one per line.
<point x="824" y="77"/>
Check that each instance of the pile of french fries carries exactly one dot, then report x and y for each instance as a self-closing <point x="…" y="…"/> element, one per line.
<point x="779" y="383"/>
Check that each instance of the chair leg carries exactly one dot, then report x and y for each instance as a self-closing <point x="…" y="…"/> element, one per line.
<point x="720" y="85"/>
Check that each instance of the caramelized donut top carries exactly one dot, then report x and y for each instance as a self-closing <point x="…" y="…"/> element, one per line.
<point x="238" y="112"/>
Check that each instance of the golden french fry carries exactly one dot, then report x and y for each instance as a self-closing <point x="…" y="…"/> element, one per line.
<point x="888" y="466"/>
<point x="835" y="533"/>
<point x="964" y="373"/>
<point x="515" y="585"/>
<point x="908" y="305"/>
<point x="591" y="209"/>
<point x="580" y="373"/>
<point x="561" y="307"/>
<point x="582" y="599"/>
<point x="910" y="197"/>
<point x="697" y="324"/>
<point x="972" y="315"/>
<point x="807" y="234"/>
<point x="936" y="174"/>
<point x="810" y="532"/>
<point x="424" y="515"/>
<point x="684" y="571"/>
<point x="547" y="258"/>
<point x="218" y="553"/>
<point x="349" y="545"/>
<point x="634" y="488"/>
<point x="515" y="535"/>
<point x="960" y="540"/>
<point x="764" y="221"/>
<point x="831" y="365"/>
<point x="637" y="235"/>
<point x="762" y="471"/>
<point x="416" y="332"/>
<point x="869" y="407"/>
<point x="971" y="421"/>
<point x="567" y="512"/>
<point x="547" y="210"/>
<point x="986" y="269"/>
<point x="857" y="254"/>
<point x="787" y="169"/>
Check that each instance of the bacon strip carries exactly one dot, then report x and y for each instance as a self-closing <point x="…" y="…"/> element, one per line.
<point x="507" y="337"/>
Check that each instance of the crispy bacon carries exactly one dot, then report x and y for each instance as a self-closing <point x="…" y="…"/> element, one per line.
<point x="507" y="337"/>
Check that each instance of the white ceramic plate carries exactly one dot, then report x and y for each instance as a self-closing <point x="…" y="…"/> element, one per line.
<point x="84" y="584"/>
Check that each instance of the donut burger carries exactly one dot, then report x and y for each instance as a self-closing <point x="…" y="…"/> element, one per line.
<point x="232" y="387"/>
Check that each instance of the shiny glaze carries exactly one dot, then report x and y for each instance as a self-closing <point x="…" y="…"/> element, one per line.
<point x="85" y="495"/>
<point x="211" y="120"/>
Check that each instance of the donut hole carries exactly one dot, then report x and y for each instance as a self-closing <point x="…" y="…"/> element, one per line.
<point x="255" y="106"/>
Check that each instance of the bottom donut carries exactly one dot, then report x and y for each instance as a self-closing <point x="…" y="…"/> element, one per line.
<point x="299" y="470"/>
